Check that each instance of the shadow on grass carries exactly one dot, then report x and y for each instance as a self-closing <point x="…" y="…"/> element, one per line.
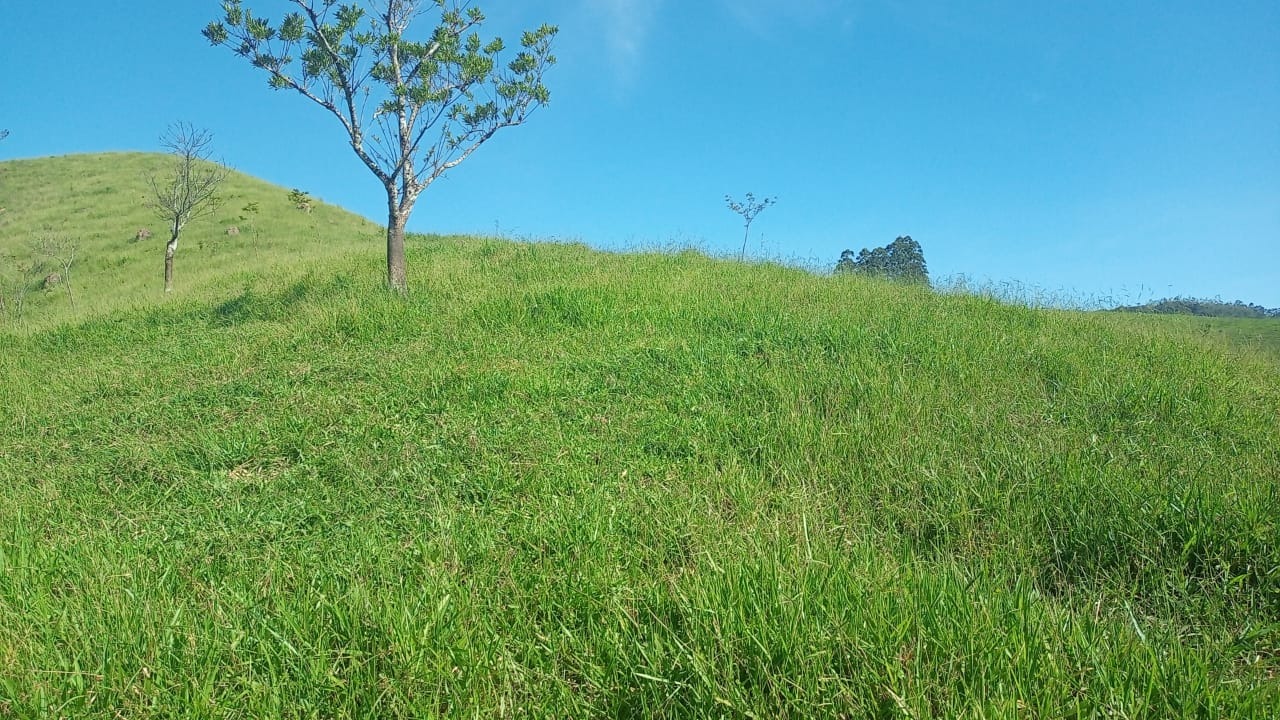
<point x="254" y="305"/>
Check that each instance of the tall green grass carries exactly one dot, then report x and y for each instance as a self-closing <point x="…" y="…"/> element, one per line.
<point x="554" y="482"/>
<point x="1250" y="335"/>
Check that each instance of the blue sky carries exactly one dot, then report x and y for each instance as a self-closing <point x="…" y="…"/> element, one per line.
<point x="1117" y="148"/>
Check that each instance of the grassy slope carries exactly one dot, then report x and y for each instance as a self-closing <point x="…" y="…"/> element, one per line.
<point x="97" y="201"/>
<point x="1257" y="334"/>
<point x="562" y="483"/>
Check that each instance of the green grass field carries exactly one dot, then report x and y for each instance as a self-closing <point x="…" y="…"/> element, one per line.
<point x="1256" y="334"/>
<point x="97" y="202"/>
<point x="555" y="482"/>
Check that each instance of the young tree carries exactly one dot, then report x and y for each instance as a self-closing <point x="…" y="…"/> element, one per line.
<point x="188" y="192"/>
<point x="16" y="282"/>
<point x="412" y="109"/>
<point x="58" y="254"/>
<point x="748" y="209"/>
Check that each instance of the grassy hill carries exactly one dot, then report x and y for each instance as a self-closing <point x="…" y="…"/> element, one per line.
<point x="554" y="482"/>
<point x="97" y="202"/>
<point x="1254" y="334"/>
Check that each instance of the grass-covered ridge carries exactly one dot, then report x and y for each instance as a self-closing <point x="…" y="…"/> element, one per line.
<point x="98" y="202"/>
<point x="1255" y="335"/>
<point x="560" y="483"/>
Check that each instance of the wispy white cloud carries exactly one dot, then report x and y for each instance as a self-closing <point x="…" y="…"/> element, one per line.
<point x="626" y="26"/>
<point x="761" y="16"/>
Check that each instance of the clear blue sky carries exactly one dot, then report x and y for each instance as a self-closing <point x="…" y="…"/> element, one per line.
<point x="1105" y="147"/>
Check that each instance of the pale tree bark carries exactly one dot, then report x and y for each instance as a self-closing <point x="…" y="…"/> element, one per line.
<point x="397" y="271"/>
<point x="170" y="248"/>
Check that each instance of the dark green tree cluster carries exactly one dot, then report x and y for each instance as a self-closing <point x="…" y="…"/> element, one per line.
<point x="902" y="259"/>
<point x="1203" y="308"/>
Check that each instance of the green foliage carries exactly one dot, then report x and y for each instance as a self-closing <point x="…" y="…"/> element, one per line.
<point x="903" y="260"/>
<point x="1203" y="308"/>
<point x="300" y="199"/>
<point x="412" y="109"/>
<point x="564" y="483"/>
<point x="845" y="265"/>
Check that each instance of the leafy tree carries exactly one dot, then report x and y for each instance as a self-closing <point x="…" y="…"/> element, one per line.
<point x="748" y="209"/>
<point x="906" y="261"/>
<point x="873" y="262"/>
<point x="188" y="192"/>
<point x="902" y="259"/>
<point x="846" y="264"/>
<point x="411" y="109"/>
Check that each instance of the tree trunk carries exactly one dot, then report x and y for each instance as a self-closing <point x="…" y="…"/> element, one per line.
<point x="169" y="249"/>
<point x="396" y="278"/>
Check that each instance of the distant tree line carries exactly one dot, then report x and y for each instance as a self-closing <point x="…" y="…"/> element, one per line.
<point x="1203" y="308"/>
<point x="902" y="259"/>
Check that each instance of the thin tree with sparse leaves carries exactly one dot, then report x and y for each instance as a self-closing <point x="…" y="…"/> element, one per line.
<point x="189" y="191"/>
<point x="60" y="253"/>
<point x="749" y="208"/>
<point x="412" y="109"/>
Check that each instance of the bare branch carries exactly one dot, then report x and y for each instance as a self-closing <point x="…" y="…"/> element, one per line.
<point x="748" y="208"/>
<point x="62" y="253"/>
<point x="189" y="192"/>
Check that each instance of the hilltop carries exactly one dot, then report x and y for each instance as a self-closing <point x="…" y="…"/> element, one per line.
<point x="556" y="482"/>
<point x="97" y="202"/>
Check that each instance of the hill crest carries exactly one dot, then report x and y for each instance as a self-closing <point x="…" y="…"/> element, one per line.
<point x="96" y="202"/>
